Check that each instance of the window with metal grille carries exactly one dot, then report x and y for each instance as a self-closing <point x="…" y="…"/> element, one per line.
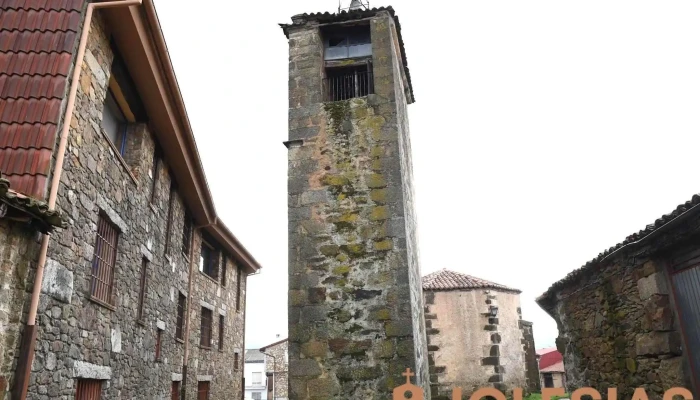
<point x="175" y="391"/>
<point x="169" y="222"/>
<point x="224" y="267"/>
<point x="155" y="170"/>
<point x="142" y="289"/>
<point x="88" y="389"/>
<point x="104" y="261"/>
<point x="203" y="391"/>
<point x="180" y="327"/>
<point x="348" y="82"/>
<point x="257" y="395"/>
<point x="159" y="337"/>
<point x="186" y="234"/>
<point x="221" y="332"/>
<point x="209" y="260"/>
<point x="238" y="288"/>
<point x="205" y="328"/>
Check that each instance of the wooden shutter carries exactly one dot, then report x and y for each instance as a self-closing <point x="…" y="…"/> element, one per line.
<point x="203" y="391"/>
<point x="88" y="390"/>
<point x="179" y="328"/>
<point x="175" y="391"/>
<point x="159" y="337"/>
<point x="221" y="332"/>
<point x="104" y="261"/>
<point x="205" y="329"/>
<point x="169" y="222"/>
<point x="223" y="269"/>
<point x="186" y="234"/>
<point x="238" y="289"/>
<point x="142" y="289"/>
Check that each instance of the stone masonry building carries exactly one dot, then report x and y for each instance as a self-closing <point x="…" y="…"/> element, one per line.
<point x="476" y="336"/>
<point x="277" y="369"/>
<point x="631" y="317"/>
<point x="143" y="293"/>
<point x="355" y="302"/>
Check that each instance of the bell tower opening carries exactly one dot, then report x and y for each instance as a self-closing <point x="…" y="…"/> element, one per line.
<point x="347" y="54"/>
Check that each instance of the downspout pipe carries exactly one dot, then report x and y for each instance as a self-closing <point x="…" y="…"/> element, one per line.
<point x="26" y="355"/>
<point x="274" y="373"/>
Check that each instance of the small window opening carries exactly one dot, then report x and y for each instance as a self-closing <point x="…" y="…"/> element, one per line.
<point x="221" y="333"/>
<point x="205" y="328"/>
<point x="347" y="42"/>
<point x="114" y="123"/>
<point x="209" y="260"/>
<point x="179" y="328"/>
<point x="159" y="337"/>
<point x="348" y="82"/>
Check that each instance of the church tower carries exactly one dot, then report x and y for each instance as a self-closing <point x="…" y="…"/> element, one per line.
<point x="356" y="318"/>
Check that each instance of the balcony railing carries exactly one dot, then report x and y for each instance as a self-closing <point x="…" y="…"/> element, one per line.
<point x="348" y="85"/>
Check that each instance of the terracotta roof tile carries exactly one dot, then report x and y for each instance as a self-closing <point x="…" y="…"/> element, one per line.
<point x="54" y="64"/>
<point x="450" y="280"/>
<point x="37" y="38"/>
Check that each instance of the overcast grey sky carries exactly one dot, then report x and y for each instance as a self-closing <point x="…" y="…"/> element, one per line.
<point x="543" y="131"/>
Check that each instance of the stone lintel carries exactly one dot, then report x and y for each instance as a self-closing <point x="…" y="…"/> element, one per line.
<point x="207" y="305"/>
<point x="161" y="325"/>
<point x="177" y="377"/>
<point x="85" y="370"/>
<point x="204" y="378"/>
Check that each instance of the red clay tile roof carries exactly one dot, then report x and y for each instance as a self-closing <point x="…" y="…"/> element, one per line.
<point x="450" y="280"/>
<point x="557" y="367"/>
<point x="37" y="38"/>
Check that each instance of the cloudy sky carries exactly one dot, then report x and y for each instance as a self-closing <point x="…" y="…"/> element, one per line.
<point x="543" y="132"/>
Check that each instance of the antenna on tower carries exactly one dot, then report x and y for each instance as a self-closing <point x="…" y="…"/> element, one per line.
<point x="354" y="5"/>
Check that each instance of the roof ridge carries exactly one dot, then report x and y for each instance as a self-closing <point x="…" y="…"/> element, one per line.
<point x="446" y="279"/>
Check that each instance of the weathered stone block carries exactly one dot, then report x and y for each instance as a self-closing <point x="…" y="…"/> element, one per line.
<point x="58" y="281"/>
<point x="657" y="343"/>
<point x="651" y="285"/>
<point x="304" y="368"/>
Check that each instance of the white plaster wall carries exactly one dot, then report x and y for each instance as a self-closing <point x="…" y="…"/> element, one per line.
<point x="463" y="342"/>
<point x="249" y="387"/>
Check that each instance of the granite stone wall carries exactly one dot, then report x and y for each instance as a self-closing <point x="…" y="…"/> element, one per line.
<point x="81" y="338"/>
<point x="532" y="368"/>
<point x="355" y="303"/>
<point x="618" y="325"/>
<point x="280" y="367"/>
<point x="18" y="249"/>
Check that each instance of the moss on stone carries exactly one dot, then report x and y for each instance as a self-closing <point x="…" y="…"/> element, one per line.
<point x="354" y="249"/>
<point x="337" y="111"/>
<point x="378" y="196"/>
<point x="377" y="151"/>
<point x="329" y="250"/>
<point x="335" y="180"/>
<point x="631" y="365"/>
<point x="375" y="181"/>
<point x="383" y="314"/>
<point x="342" y="270"/>
<point x="379" y="213"/>
<point x="340" y="315"/>
<point x="384" y="245"/>
<point x="297" y="297"/>
<point x="342" y="257"/>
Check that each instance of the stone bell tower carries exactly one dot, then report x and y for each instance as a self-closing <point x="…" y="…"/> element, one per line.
<point x="355" y="306"/>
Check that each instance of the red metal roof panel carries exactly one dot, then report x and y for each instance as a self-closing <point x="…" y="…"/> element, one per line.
<point x="37" y="38"/>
